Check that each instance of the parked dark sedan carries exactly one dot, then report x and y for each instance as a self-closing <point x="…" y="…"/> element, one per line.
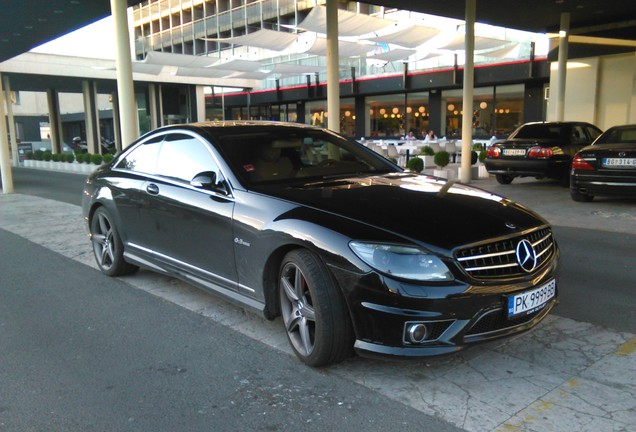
<point x="299" y="222"/>
<point x="607" y="167"/>
<point x="541" y="150"/>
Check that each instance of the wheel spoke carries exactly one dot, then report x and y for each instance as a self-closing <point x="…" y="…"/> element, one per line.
<point x="309" y="313"/>
<point x="305" y="336"/>
<point x="104" y="226"/>
<point x="290" y="292"/>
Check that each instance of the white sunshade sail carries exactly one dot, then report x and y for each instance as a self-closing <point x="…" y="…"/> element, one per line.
<point x="349" y="24"/>
<point x="345" y="49"/>
<point x="238" y="65"/>
<point x="481" y="43"/>
<point x="393" y="55"/>
<point x="509" y="51"/>
<point x="264" y="38"/>
<point x="204" y="72"/>
<point x="185" y="60"/>
<point x="410" y="37"/>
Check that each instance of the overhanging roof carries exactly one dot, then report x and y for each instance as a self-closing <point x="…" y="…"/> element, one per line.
<point x="25" y="24"/>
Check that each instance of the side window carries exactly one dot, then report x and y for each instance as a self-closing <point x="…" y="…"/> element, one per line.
<point x="183" y="156"/>
<point x="143" y="158"/>
<point x="593" y="133"/>
<point x="578" y="135"/>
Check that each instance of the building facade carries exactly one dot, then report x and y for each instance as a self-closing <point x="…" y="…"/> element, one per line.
<point x="399" y="70"/>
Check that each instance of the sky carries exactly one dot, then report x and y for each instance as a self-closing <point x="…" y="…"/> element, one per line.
<point x="93" y="41"/>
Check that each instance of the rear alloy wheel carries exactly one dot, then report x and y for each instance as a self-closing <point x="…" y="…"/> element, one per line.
<point x="580" y="197"/>
<point x="107" y="246"/>
<point x="504" y="179"/>
<point x="314" y="312"/>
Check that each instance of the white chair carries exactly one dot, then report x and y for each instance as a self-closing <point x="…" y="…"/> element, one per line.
<point x="391" y="151"/>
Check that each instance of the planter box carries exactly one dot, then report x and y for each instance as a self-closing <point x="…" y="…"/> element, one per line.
<point x="428" y="161"/>
<point x="445" y="173"/>
<point x="482" y="172"/>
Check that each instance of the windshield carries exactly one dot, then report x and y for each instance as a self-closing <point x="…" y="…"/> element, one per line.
<point x="539" y="131"/>
<point x="618" y="135"/>
<point x="287" y="154"/>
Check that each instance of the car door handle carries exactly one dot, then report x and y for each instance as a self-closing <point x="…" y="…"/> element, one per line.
<point x="152" y="189"/>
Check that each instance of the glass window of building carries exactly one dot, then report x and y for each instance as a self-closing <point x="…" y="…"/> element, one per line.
<point x="496" y="111"/>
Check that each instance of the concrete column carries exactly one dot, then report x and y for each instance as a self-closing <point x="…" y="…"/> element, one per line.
<point x="200" y="104"/>
<point x="469" y="80"/>
<point x="55" y="121"/>
<point x="153" y="106"/>
<point x="91" y="116"/>
<point x="5" y="162"/>
<point x="11" y="120"/>
<point x="333" y="73"/>
<point x="116" y="123"/>
<point x="129" y="118"/>
<point x="564" y="34"/>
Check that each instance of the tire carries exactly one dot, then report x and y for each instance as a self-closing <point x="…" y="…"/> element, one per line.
<point x="504" y="179"/>
<point x="107" y="246"/>
<point x="314" y="312"/>
<point x="579" y="197"/>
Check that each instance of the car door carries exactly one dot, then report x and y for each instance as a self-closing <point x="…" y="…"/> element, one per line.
<point x="190" y="228"/>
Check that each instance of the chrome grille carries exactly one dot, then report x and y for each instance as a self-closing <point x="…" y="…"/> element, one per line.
<point x="498" y="259"/>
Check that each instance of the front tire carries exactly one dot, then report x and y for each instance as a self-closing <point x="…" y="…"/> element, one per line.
<point x="107" y="246"/>
<point x="504" y="179"/>
<point x="314" y="312"/>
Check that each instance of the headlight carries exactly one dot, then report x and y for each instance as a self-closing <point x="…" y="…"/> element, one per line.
<point x="402" y="261"/>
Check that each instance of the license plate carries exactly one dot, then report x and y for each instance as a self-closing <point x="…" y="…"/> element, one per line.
<point x="619" y="162"/>
<point x="531" y="301"/>
<point x="514" y="152"/>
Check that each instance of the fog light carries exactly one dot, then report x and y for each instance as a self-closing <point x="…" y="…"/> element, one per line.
<point x="417" y="333"/>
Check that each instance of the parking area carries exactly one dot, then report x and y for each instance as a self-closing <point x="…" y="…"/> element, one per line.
<point x="565" y="375"/>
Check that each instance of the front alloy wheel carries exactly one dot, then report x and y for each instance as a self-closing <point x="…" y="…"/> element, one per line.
<point x="107" y="246"/>
<point x="314" y="313"/>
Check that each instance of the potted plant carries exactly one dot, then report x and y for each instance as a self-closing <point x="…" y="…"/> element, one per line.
<point x="97" y="159"/>
<point x="427" y="154"/>
<point x="442" y="158"/>
<point x="415" y="164"/>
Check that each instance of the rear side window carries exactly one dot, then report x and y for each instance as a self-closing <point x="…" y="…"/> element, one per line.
<point x="183" y="156"/>
<point x="142" y="159"/>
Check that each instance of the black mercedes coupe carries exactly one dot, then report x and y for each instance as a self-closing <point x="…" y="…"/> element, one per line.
<point x="350" y="250"/>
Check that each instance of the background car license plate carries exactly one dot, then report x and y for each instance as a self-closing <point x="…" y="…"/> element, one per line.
<point x="531" y="301"/>
<point x="619" y="162"/>
<point x="514" y="152"/>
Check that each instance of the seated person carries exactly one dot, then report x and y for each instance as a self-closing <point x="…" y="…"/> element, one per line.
<point x="272" y="165"/>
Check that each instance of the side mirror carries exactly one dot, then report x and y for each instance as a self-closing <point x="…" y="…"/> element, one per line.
<point x="207" y="180"/>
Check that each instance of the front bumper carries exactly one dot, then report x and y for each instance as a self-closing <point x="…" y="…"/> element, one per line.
<point x="455" y="316"/>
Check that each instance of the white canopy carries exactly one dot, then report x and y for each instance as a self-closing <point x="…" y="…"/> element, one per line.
<point x="349" y="24"/>
<point x="410" y="37"/>
<point x="264" y="38"/>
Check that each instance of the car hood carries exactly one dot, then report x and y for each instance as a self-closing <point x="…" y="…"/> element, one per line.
<point x="422" y="208"/>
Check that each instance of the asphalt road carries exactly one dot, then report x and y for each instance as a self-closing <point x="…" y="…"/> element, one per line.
<point x="83" y="352"/>
<point x="79" y="351"/>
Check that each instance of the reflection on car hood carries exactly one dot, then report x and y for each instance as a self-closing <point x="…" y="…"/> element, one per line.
<point x="605" y="147"/>
<point x="422" y="208"/>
